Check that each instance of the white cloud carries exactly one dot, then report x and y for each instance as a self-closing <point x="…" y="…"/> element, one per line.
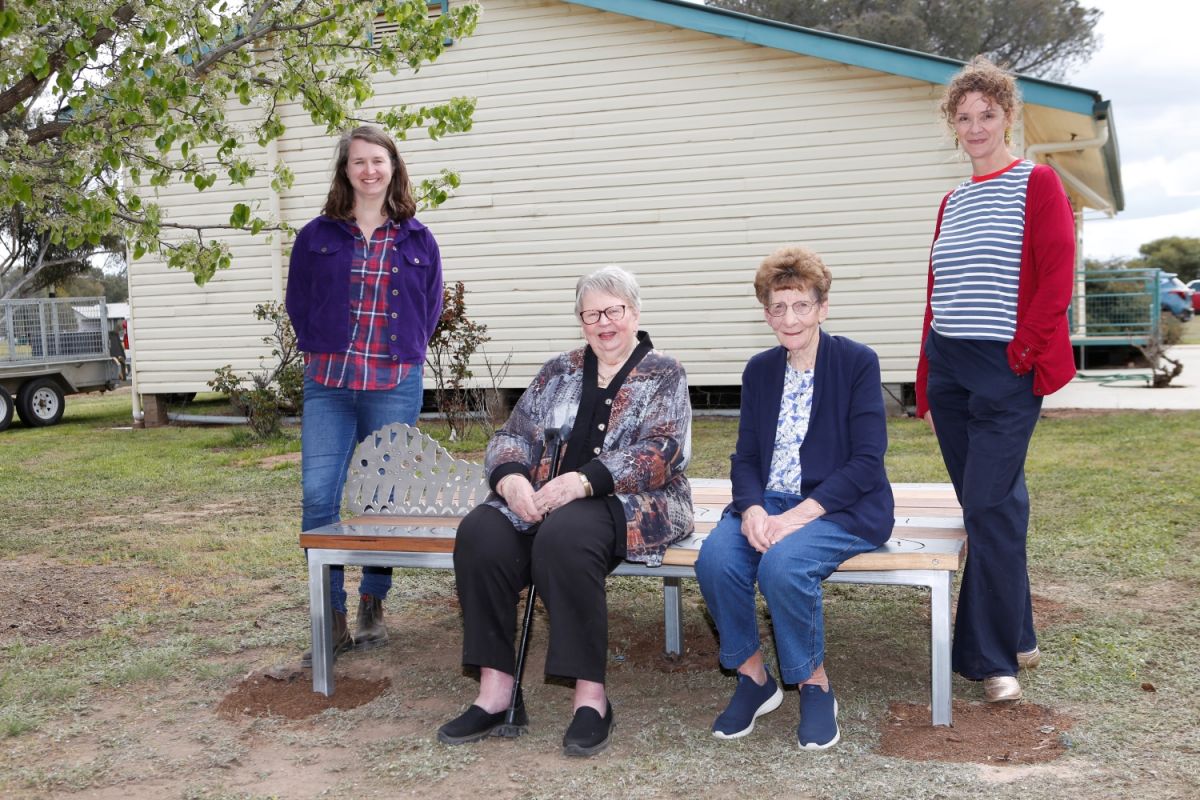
<point x="1174" y="177"/>
<point x="1106" y="238"/>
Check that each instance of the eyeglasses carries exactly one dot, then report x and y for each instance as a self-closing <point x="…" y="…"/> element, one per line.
<point x="614" y="313"/>
<point x="802" y="308"/>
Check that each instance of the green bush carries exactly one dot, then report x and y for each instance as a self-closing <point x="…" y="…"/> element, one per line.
<point x="263" y="397"/>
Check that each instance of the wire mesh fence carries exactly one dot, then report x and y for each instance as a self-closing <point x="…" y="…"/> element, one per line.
<point x="1119" y="306"/>
<point x="58" y="329"/>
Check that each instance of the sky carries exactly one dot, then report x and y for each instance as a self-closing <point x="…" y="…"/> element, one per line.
<point x="1148" y="66"/>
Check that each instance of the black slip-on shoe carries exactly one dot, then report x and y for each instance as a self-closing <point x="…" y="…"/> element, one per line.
<point x="475" y="724"/>
<point x="588" y="733"/>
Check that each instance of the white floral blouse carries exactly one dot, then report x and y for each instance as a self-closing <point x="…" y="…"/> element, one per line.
<point x="795" y="408"/>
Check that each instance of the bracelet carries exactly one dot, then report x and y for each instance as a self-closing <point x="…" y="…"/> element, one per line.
<point x="587" y="485"/>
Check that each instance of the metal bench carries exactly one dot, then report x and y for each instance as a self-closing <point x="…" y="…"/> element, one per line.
<point x="407" y="495"/>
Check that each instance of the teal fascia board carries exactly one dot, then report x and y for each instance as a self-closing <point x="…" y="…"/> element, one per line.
<point x="832" y="47"/>
<point x="1112" y="155"/>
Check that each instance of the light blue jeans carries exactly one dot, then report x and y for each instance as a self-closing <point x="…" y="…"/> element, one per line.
<point x="334" y="422"/>
<point x="789" y="575"/>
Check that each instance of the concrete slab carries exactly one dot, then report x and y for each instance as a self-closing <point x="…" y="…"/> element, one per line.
<point x="1130" y="388"/>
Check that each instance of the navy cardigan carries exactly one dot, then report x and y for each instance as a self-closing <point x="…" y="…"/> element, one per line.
<point x="841" y="459"/>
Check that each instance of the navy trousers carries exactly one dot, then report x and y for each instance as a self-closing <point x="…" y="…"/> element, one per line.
<point x="984" y="416"/>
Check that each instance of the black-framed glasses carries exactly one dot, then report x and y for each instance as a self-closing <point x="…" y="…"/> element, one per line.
<point x="614" y="313"/>
<point x="801" y="308"/>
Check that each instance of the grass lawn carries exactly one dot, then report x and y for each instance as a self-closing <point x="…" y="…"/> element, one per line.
<point x="147" y="571"/>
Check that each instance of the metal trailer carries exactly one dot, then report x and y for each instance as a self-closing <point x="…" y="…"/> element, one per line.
<point x="50" y="348"/>
<point x="1115" y="307"/>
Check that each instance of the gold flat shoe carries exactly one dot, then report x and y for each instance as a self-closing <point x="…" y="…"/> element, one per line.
<point x="1029" y="659"/>
<point x="1001" y="689"/>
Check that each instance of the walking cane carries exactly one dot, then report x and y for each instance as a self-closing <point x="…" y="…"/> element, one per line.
<point x="555" y="438"/>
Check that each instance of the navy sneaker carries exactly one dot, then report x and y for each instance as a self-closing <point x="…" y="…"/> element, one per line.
<point x="818" y="718"/>
<point x="750" y="701"/>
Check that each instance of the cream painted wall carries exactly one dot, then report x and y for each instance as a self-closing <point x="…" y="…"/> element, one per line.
<point x="601" y="139"/>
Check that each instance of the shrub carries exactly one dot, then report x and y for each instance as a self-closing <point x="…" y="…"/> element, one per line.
<point x="263" y="397"/>
<point x="454" y="341"/>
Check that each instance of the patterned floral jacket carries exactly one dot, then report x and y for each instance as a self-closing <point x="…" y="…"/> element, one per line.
<point x="632" y="440"/>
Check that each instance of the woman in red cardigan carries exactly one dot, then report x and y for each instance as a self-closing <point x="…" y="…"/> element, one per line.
<point x="995" y="341"/>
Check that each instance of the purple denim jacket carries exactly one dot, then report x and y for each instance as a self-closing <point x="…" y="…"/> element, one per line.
<point x="318" y="288"/>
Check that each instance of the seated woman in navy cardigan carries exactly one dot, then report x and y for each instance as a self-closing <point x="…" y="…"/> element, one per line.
<point x="809" y="492"/>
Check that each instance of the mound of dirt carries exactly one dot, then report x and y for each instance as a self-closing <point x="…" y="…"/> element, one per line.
<point x="984" y="733"/>
<point x="292" y="697"/>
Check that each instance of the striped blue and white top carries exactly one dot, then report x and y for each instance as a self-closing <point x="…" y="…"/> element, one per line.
<point x="977" y="256"/>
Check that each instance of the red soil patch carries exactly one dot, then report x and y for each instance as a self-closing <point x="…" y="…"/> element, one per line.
<point x="985" y="733"/>
<point x="1047" y="613"/>
<point x="633" y="645"/>
<point x="293" y="697"/>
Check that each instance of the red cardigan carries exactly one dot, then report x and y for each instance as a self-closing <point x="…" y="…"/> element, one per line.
<point x="1042" y="340"/>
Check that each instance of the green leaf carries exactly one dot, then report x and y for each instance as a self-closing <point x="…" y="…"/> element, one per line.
<point x="240" y="215"/>
<point x="21" y="189"/>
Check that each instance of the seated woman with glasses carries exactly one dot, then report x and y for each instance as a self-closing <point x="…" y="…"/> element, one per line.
<point x="615" y="419"/>
<point x="809" y="492"/>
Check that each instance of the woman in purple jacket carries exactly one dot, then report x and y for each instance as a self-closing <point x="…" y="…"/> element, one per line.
<point x="809" y="492"/>
<point x="364" y="294"/>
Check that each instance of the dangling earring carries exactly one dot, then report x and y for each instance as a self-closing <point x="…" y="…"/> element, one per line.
<point x="956" y="141"/>
<point x="1008" y="136"/>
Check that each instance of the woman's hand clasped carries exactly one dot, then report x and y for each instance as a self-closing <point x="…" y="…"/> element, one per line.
<point x="763" y="530"/>
<point x="518" y="493"/>
<point x="558" y="492"/>
<point x="758" y="528"/>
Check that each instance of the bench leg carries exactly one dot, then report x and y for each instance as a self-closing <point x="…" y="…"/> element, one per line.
<point x="673" y="616"/>
<point x="940" y="626"/>
<point x="320" y="609"/>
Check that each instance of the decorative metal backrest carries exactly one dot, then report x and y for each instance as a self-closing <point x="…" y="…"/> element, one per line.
<point x="400" y="470"/>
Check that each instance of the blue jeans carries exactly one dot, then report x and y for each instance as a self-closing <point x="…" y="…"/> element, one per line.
<point x="789" y="575"/>
<point x="334" y="422"/>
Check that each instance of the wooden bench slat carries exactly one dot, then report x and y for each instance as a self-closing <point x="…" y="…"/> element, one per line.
<point x="911" y="547"/>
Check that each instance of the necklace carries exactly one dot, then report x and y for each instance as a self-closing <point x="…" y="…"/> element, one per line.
<point x="604" y="378"/>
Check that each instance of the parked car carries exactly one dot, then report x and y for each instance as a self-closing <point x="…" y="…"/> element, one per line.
<point x="1175" y="296"/>
<point x="1195" y="287"/>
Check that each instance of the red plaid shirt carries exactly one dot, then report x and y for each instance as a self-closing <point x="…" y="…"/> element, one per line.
<point x="367" y="362"/>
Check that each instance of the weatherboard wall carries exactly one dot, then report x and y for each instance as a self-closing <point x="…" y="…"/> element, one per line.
<point x="600" y="138"/>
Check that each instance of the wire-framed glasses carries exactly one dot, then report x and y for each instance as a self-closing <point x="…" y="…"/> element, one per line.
<point x="802" y="308"/>
<point x="614" y="313"/>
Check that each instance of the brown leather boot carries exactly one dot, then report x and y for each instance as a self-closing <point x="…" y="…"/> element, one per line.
<point x="370" y="631"/>
<point x="342" y="640"/>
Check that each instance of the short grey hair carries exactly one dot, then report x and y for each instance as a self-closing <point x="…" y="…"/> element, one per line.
<point x="611" y="280"/>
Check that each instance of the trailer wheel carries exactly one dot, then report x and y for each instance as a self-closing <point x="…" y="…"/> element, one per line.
<point x="6" y="408"/>
<point x="40" y="402"/>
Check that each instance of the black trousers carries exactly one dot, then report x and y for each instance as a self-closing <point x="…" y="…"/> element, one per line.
<point x="985" y="416"/>
<point x="567" y="556"/>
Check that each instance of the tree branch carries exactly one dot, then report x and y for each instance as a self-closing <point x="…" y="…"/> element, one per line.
<point x="48" y="130"/>
<point x="197" y="229"/>
<point x="209" y="61"/>
<point x="22" y="90"/>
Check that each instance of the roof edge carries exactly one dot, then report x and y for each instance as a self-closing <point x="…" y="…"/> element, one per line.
<point x="836" y="47"/>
